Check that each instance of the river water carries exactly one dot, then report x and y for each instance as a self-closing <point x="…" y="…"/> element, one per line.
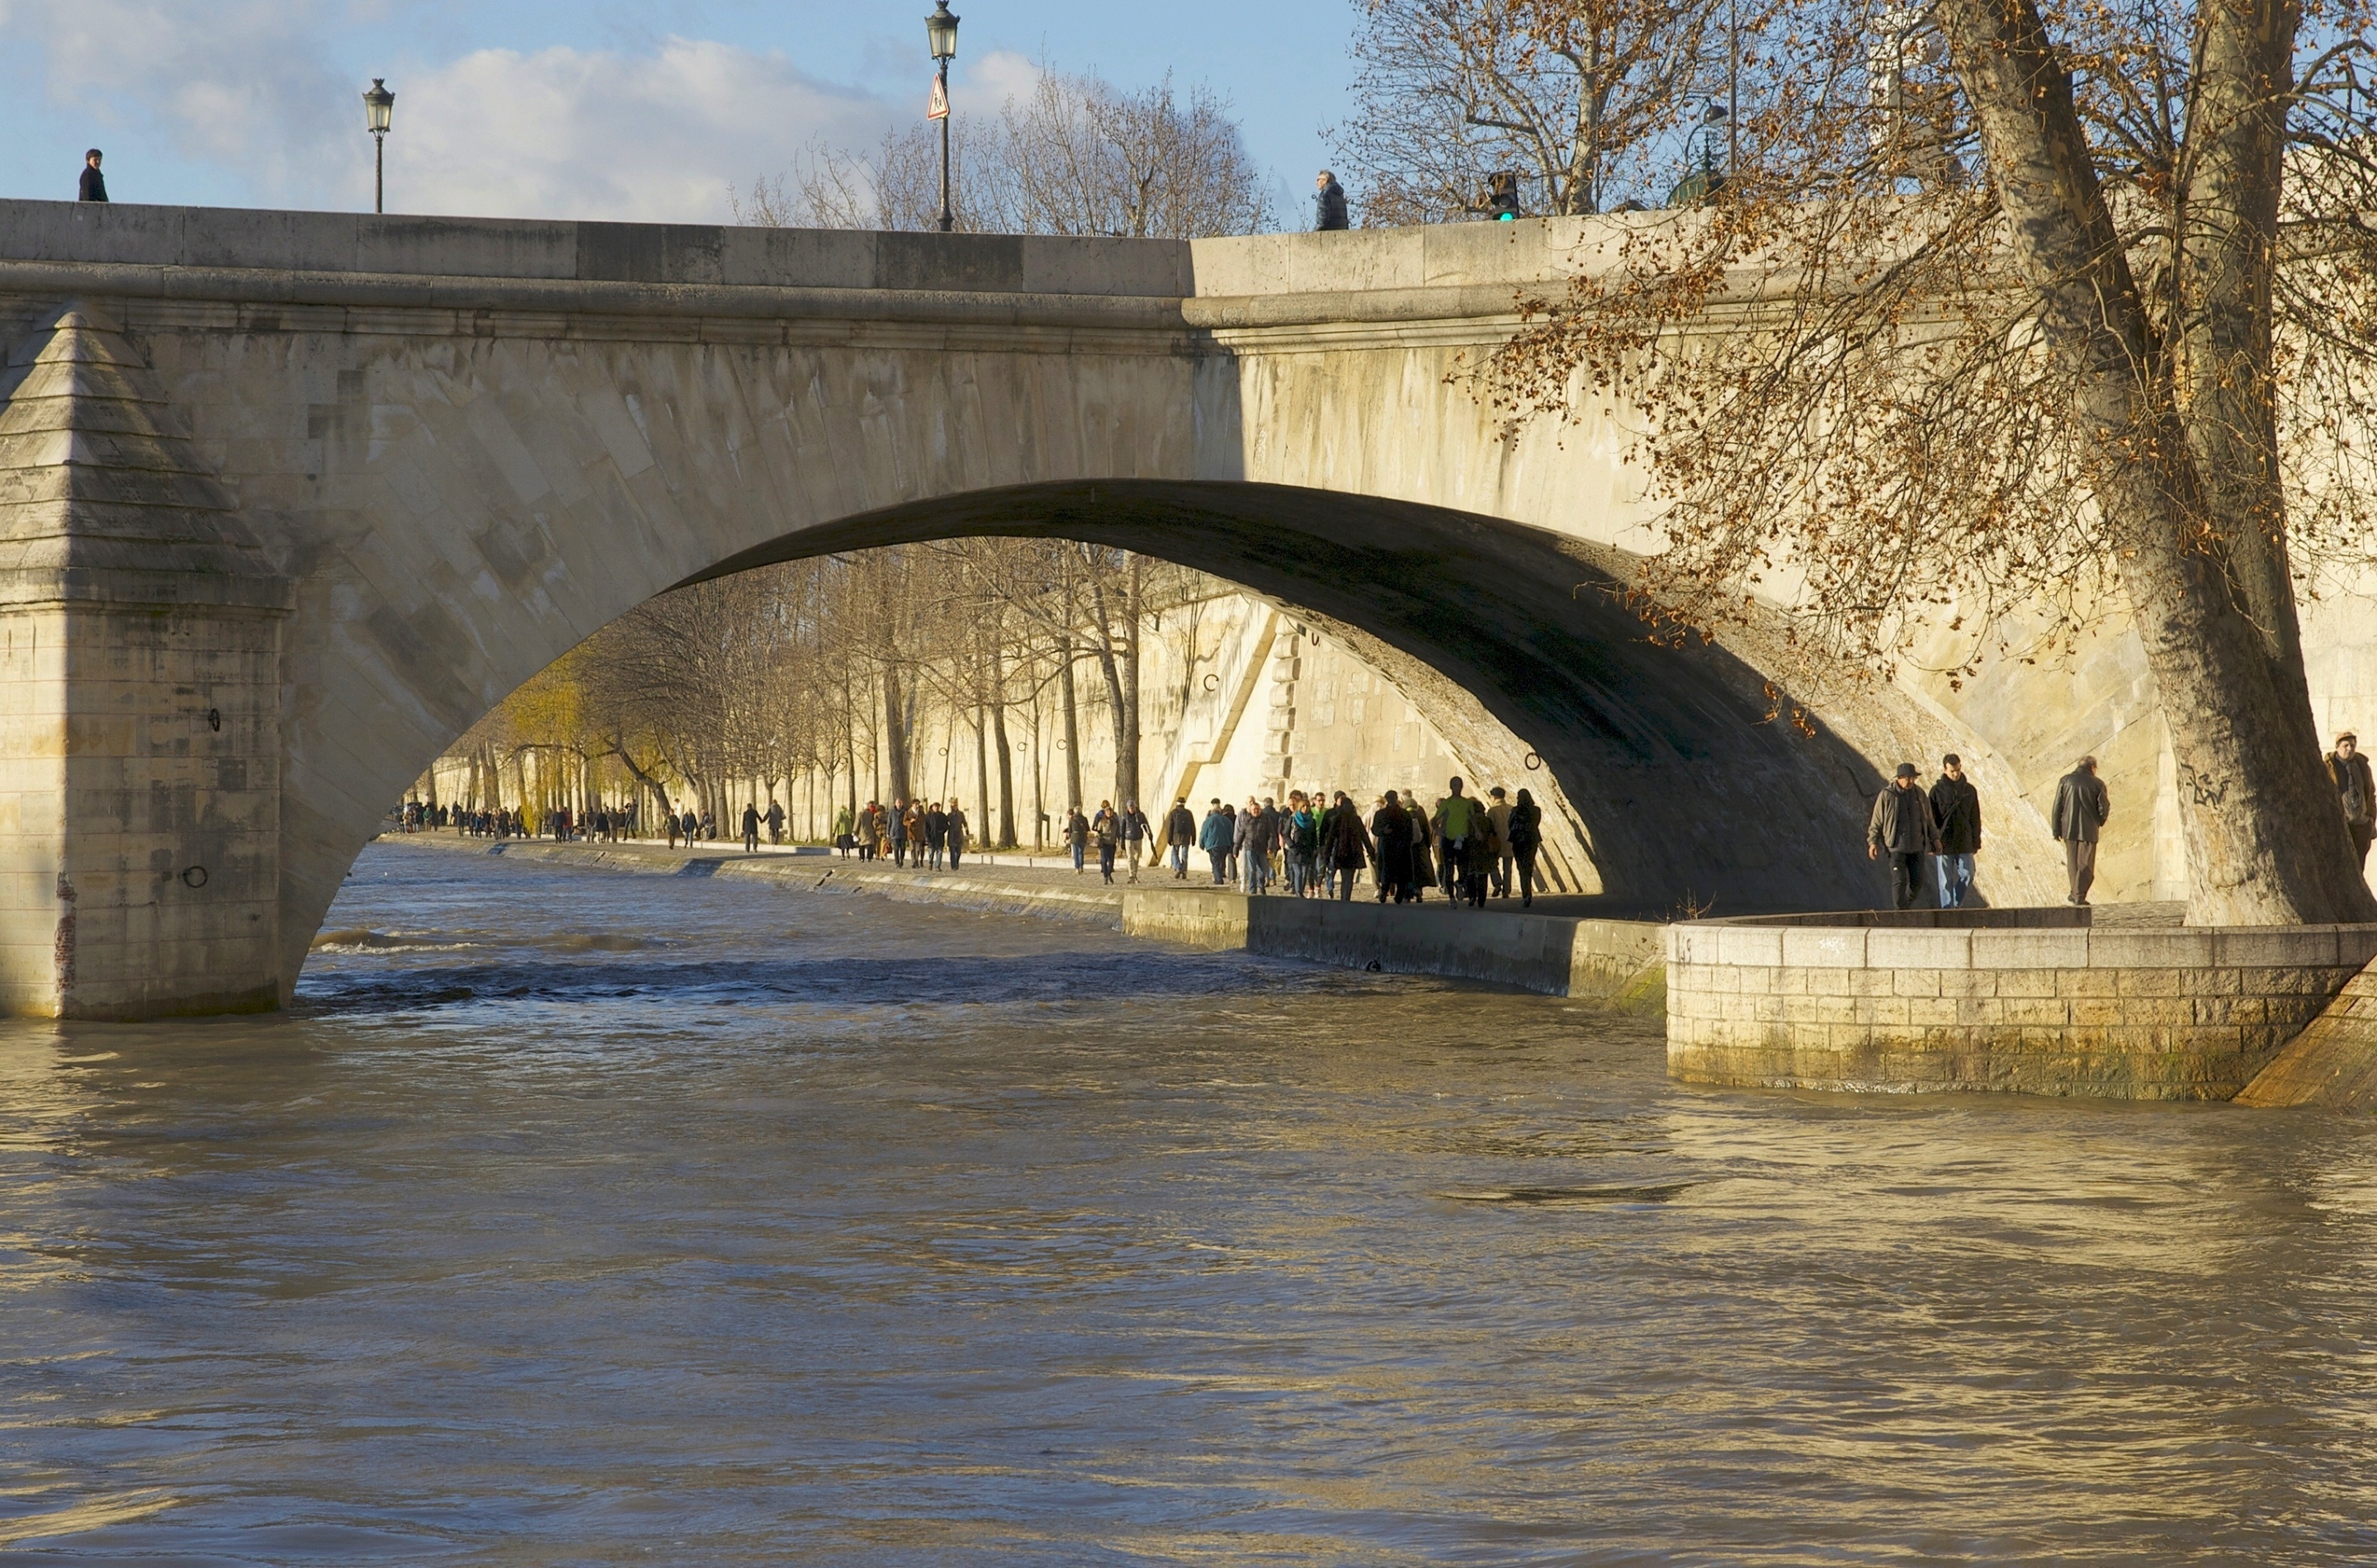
<point x="579" y="1217"/>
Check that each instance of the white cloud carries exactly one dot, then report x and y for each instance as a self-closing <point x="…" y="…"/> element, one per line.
<point x="566" y="133"/>
<point x="252" y="88"/>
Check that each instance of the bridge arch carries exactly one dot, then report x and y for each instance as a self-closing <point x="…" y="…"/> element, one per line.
<point x="339" y="498"/>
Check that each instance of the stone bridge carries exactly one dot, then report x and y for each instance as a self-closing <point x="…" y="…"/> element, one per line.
<point x="289" y="500"/>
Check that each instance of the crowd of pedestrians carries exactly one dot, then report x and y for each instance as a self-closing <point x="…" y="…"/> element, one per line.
<point x="1319" y="845"/>
<point x="910" y="833"/>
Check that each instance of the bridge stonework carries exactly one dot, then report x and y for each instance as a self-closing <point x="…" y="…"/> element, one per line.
<point x="289" y="500"/>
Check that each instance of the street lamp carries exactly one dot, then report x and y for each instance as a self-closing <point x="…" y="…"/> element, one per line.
<point x="378" y="104"/>
<point x="942" y="33"/>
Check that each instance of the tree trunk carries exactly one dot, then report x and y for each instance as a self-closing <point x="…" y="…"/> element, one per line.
<point x="981" y="765"/>
<point x="895" y="732"/>
<point x="2266" y="844"/>
<point x="1071" y="742"/>
<point x="1006" y="753"/>
<point x="1127" y="758"/>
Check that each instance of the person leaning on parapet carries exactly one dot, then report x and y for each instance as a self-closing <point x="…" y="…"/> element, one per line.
<point x="1901" y="827"/>
<point x="1328" y="203"/>
<point x="1956" y="817"/>
<point x="94" y="183"/>
<point x="2355" y="791"/>
<point x="1180" y="837"/>
<point x="2081" y="807"/>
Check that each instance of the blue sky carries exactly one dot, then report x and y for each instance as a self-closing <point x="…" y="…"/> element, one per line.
<point x="534" y="108"/>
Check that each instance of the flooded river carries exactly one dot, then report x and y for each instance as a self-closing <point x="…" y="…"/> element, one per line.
<point x="579" y="1217"/>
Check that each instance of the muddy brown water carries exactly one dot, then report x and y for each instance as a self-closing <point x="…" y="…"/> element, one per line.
<point x="579" y="1217"/>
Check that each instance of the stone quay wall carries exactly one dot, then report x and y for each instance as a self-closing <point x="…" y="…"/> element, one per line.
<point x="2002" y="1000"/>
<point x="1558" y="955"/>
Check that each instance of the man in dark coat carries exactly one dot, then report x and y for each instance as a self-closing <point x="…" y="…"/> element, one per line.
<point x="94" y="183"/>
<point x="1345" y="843"/>
<point x="1180" y="836"/>
<point x="2081" y="807"/>
<point x="1900" y="826"/>
<point x="1390" y="832"/>
<point x="750" y="827"/>
<point x="2355" y="791"/>
<point x="1329" y="203"/>
<point x="1956" y="817"/>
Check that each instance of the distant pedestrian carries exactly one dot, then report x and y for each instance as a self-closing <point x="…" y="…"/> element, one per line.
<point x="1526" y="841"/>
<point x="2081" y="807"/>
<point x="1328" y="203"/>
<point x="1213" y="838"/>
<point x="958" y="833"/>
<point x="94" y="183"/>
<point x="2355" y="791"/>
<point x="750" y="827"/>
<point x="934" y="853"/>
<point x="842" y="832"/>
<point x="1107" y="829"/>
<point x="775" y="821"/>
<point x="1077" y="836"/>
<point x="1498" y="817"/>
<point x="1457" y="820"/>
<point x="1900" y="826"/>
<point x="901" y="840"/>
<point x="1180" y="836"/>
<point x="1391" y="833"/>
<point x="671" y="817"/>
<point x="1134" y="835"/>
<point x="690" y="825"/>
<point x="1956" y="817"/>
<point x="1345" y="843"/>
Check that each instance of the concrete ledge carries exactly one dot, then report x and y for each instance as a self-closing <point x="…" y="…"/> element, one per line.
<point x="2006" y="1002"/>
<point x="1557" y="955"/>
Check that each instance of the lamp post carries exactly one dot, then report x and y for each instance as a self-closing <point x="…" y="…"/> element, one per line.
<point x="378" y="104"/>
<point x="942" y="33"/>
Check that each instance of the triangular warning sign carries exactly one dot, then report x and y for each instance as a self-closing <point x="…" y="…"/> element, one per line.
<point x="940" y="106"/>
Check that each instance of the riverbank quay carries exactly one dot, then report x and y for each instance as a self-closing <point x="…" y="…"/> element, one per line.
<point x="995" y="890"/>
<point x="2044" y="1002"/>
<point x="1619" y="960"/>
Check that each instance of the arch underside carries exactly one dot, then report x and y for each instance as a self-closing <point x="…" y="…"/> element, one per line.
<point x="1681" y="783"/>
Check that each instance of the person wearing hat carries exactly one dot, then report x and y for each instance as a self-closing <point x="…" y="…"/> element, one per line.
<point x="2348" y="771"/>
<point x="94" y="183"/>
<point x="1901" y="828"/>
<point x="2080" y="807"/>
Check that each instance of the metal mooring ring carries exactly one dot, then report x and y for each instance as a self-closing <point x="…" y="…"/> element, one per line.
<point x="1535" y="763"/>
<point x="194" y="876"/>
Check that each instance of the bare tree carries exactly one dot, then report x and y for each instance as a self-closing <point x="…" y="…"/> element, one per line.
<point x="1584" y="101"/>
<point x="1074" y="156"/>
<point x="2125" y="370"/>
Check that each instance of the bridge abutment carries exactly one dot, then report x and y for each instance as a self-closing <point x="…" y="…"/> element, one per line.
<point x="140" y="701"/>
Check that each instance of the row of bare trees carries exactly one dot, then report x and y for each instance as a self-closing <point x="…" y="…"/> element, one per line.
<point x="1074" y="156"/>
<point x="831" y="682"/>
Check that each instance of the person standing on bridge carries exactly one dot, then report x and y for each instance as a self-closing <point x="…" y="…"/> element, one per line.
<point x="1328" y="204"/>
<point x="750" y="827"/>
<point x="1956" y="816"/>
<point x="957" y="830"/>
<point x="2355" y="791"/>
<point x="1900" y="826"/>
<point x="2081" y="805"/>
<point x="1180" y="837"/>
<point x="94" y="183"/>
